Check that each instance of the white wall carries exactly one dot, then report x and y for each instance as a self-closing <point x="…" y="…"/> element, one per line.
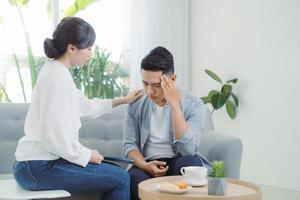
<point x="160" y="23"/>
<point x="257" y="41"/>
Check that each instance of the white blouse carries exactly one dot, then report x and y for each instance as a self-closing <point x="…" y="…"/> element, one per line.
<point x="53" y="120"/>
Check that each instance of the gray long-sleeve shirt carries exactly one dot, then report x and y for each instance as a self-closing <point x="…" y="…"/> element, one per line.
<point x="137" y="124"/>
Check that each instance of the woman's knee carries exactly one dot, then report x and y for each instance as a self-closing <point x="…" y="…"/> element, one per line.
<point x="120" y="176"/>
<point x="111" y="173"/>
<point x="124" y="176"/>
<point x="24" y="176"/>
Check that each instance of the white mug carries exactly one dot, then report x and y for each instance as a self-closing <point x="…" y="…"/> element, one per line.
<point x="194" y="173"/>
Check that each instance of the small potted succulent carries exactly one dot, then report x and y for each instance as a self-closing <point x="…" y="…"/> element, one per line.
<point x="217" y="179"/>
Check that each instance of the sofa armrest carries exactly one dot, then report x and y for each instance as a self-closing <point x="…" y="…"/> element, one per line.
<point x="217" y="146"/>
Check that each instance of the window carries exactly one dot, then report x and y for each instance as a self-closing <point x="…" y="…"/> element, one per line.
<point x="108" y="17"/>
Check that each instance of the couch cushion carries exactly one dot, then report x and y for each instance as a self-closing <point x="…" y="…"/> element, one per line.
<point x="12" y="118"/>
<point x="103" y="133"/>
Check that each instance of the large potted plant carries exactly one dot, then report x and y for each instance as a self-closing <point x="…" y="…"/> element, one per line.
<point x="100" y="77"/>
<point x="217" y="179"/>
<point x="224" y="96"/>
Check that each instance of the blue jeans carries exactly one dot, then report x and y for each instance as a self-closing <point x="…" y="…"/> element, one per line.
<point x="175" y="164"/>
<point x="111" y="180"/>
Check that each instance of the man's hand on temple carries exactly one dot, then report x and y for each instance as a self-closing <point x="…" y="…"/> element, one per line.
<point x="172" y="95"/>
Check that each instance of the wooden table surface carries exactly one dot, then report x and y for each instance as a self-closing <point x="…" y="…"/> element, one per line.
<point x="236" y="190"/>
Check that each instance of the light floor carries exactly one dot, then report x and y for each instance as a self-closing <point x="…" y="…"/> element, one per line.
<point x="276" y="193"/>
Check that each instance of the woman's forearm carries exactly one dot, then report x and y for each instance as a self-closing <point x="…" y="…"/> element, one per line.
<point x="131" y="97"/>
<point x="118" y="101"/>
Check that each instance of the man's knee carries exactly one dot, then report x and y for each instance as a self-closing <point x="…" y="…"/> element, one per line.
<point x="190" y="160"/>
<point x="137" y="175"/>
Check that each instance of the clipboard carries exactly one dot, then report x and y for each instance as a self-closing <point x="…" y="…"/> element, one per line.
<point x="118" y="159"/>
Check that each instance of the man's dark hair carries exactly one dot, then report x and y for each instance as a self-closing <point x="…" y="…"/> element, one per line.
<point x="159" y="59"/>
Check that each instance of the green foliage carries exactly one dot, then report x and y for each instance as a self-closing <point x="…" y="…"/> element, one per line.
<point x="73" y="9"/>
<point x="31" y="59"/>
<point x="16" y="60"/>
<point x="33" y="64"/>
<point x="218" y="169"/>
<point x="214" y="76"/>
<point x="18" y="2"/>
<point x="225" y="96"/>
<point x="3" y="95"/>
<point x="77" y="6"/>
<point x="100" y="77"/>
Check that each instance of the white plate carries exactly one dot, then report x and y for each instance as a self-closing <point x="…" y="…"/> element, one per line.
<point x="196" y="183"/>
<point x="173" y="191"/>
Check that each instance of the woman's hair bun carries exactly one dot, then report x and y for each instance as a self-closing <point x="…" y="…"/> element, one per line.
<point x="49" y="49"/>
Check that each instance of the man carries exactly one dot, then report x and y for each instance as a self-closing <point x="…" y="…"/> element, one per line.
<point x="162" y="129"/>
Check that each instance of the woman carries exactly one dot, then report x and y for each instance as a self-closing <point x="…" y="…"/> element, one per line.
<point x="50" y="155"/>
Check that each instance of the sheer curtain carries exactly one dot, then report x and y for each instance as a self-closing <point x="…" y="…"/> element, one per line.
<point x="160" y="23"/>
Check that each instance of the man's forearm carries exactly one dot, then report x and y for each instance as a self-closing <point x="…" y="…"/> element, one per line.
<point x="137" y="156"/>
<point x="179" y="123"/>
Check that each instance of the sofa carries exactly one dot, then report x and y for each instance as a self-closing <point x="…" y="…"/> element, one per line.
<point x="105" y="135"/>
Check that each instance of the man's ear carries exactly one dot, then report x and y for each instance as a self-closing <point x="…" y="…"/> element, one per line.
<point x="173" y="77"/>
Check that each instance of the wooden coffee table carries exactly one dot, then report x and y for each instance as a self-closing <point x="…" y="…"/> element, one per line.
<point x="236" y="190"/>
